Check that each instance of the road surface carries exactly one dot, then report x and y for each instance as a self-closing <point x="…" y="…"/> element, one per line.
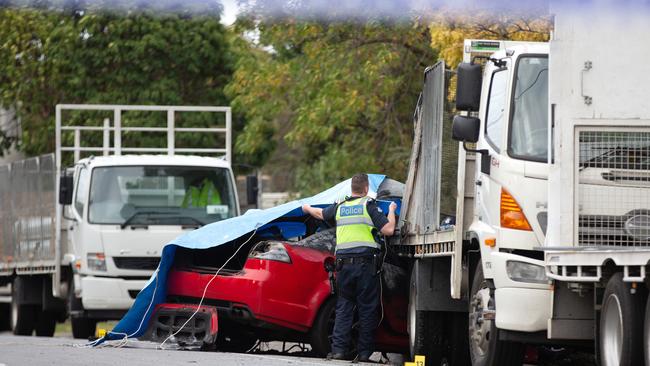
<point x="37" y="351"/>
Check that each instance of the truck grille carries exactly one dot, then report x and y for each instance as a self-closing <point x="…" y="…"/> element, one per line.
<point x="143" y="263"/>
<point x="613" y="188"/>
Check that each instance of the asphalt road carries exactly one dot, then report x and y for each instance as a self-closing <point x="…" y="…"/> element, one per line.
<point x="63" y="350"/>
<point x="36" y="351"/>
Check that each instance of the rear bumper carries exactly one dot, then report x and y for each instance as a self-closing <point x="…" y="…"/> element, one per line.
<point x="104" y="293"/>
<point x="168" y="319"/>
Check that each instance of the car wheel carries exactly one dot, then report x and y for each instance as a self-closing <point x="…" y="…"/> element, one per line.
<point x="322" y="328"/>
<point x="621" y="319"/>
<point x="485" y="347"/>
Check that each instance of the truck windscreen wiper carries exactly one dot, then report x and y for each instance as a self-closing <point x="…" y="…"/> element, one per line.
<point x="175" y="215"/>
<point x="138" y="213"/>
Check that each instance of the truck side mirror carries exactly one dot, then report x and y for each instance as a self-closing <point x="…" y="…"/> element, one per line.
<point x="252" y="189"/>
<point x="468" y="87"/>
<point x="466" y="129"/>
<point x="65" y="190"/>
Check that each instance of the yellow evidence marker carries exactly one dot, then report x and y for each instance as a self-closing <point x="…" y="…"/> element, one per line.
<point x="419" y="361"/>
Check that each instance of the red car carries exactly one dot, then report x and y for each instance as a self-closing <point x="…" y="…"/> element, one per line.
<point x="275" y="290"/>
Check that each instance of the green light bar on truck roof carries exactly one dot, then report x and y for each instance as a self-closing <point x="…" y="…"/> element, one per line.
<point x="486" y="46"/>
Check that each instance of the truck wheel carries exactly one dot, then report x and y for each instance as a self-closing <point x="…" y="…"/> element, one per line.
<point x="425" y="330"/>
<point x="322" y="328"/>
<point x="5" y="317"/>
<point x="83" y="328"/>
<point x="23" y="316"/>
<point x="621" y="331"/>
<point x="646" y="333"/>
<point x="457" y="347"/>
<point x="484" y="345"/>
<point x="45" y="324"/>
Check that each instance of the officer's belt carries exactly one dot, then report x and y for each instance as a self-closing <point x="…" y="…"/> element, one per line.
<point x="356" y="244"/>
<point x="356" y="260"/>
<point x="354" y="221"/>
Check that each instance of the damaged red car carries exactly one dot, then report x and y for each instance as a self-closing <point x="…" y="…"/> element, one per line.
<point x="277" y="287"/>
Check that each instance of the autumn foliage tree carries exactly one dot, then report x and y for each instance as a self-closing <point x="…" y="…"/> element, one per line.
<point x="329" y="99"/>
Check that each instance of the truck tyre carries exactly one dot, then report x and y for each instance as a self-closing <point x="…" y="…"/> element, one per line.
<point x="23" y="316"/>
<point x="82" y="327"/>
<point x="425" y="330"/>
<point x="485" y="347"/>
<point x="621" y="319"/>
<point x="322" y="328"/>
<point x="45" y="324"/>
<point x="646" y="333"/>
<point x="457" y="343"/>
<point x="5" y="317"/>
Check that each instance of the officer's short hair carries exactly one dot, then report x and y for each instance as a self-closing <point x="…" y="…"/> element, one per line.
<point x="359" y="183"/>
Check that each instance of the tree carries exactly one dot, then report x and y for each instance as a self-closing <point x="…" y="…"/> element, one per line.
<point x="330" y="98"/>
<point x="118" y="57"/>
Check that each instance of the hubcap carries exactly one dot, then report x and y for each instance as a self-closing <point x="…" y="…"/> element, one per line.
<point x="479" y="327"/>
<point x="611" y="332"/>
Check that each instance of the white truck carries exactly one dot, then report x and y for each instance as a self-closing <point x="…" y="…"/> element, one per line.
<point x="551" y="240"/>
<point x="82" y="241"/>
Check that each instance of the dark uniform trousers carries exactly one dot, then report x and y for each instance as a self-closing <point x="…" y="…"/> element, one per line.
<point x="358" y="284"/>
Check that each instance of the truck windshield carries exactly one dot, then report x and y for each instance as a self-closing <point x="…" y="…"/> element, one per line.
<point x="529" y="126"/>
<point x="160" y="195"/>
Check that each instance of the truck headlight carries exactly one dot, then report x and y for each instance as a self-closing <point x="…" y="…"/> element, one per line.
<point x="526" y="272"/>
<point x="97" y="262"/>
<point x="271" y="251"/>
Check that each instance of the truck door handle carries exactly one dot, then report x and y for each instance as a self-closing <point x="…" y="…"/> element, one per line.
<point x="479" y="183"/>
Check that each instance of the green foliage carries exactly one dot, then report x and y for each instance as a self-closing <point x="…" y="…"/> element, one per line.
<point x="336" y="96"/>
<point x="51" y="57"/>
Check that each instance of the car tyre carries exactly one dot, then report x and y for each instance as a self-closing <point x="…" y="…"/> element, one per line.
<point x="621" y="324"/>
<point x="322" y="328"/>
<point x="486" y="349"/>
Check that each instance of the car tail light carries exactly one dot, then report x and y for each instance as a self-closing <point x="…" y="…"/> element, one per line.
<point x="512" y="216"/>
<point x="273" y="251"/>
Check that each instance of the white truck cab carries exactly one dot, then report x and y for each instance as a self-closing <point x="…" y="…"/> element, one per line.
<point x="125" y="208"/>
<point x="511" y="191"/>
<point x="82" y="229"/>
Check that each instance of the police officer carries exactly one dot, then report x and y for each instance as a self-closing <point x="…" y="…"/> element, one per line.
<point x="357" y="220"/>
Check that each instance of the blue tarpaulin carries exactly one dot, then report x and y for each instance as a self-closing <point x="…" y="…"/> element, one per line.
<point x="136" y="320"/>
